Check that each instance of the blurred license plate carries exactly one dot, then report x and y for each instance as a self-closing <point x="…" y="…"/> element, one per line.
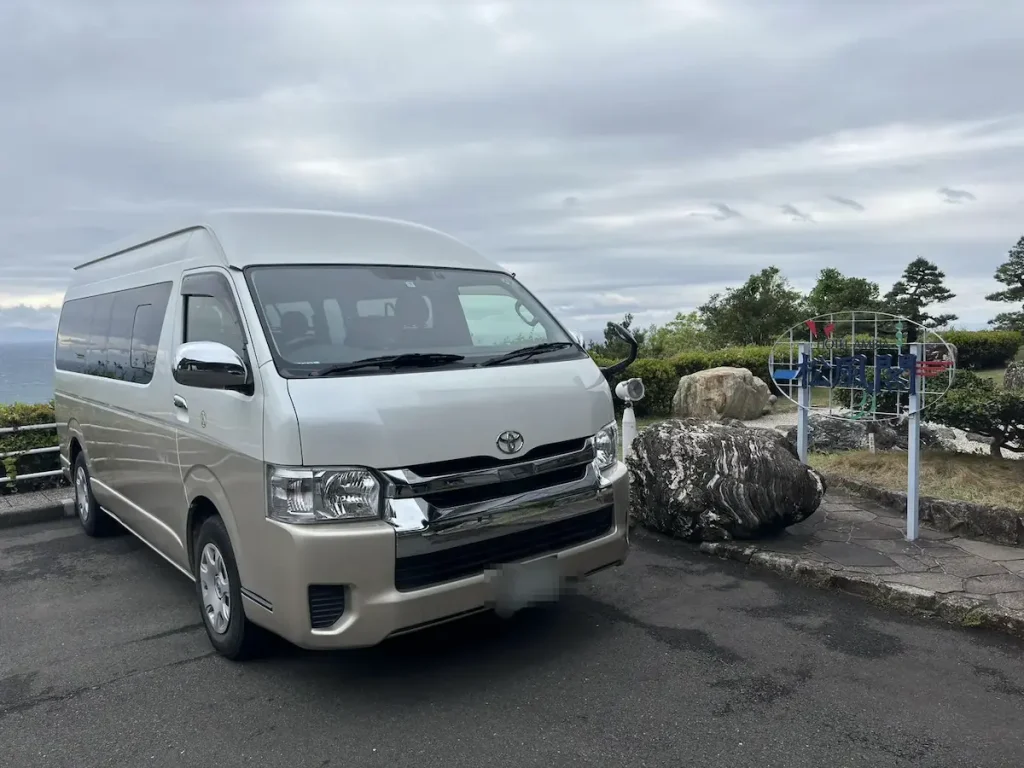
<point x="519" y="585"/>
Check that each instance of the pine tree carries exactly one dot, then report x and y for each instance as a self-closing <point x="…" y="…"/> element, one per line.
<point x="1011" y="274"/>
<point x="921" y="286"/>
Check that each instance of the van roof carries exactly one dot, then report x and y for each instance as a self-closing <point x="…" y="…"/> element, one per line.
<point x="274" y="235"/>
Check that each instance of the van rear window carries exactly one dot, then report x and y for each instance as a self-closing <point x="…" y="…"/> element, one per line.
<point x="113" y="335"/>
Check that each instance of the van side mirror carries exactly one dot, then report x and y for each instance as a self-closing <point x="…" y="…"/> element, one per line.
<point x="634" y="350"/>
<point x="210" y="365"/>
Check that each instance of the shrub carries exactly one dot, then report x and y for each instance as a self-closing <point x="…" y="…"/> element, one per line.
<point x="661" y="377"/>
<point x="23" y="415"/>
<point x="980" y="350"/>
<point x="979" y="406"/>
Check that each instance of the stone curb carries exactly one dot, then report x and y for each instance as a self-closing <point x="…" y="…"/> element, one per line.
<point x="962" y="518"/>
<point x="954" y="609"/>
<point x="41" y="514"/>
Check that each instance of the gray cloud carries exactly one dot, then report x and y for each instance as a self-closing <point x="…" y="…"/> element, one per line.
<point x="848" y="202"/>
<point x="795" y="213"/>
<point x="725" y="212"/>
<point x="564" y="139"/>
<point x="29" y="318"/>
<point x="955" y="196"/>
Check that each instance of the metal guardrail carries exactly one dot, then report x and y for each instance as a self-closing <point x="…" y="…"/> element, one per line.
<point x="29" y="452"/>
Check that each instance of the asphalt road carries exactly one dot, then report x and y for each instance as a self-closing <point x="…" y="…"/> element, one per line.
<point x="673" y="660"/>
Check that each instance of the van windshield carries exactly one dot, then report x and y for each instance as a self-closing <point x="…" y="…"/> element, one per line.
<point x="320" y="318"/>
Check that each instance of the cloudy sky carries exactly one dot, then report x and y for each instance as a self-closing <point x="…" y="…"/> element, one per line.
<point x="618" y="155"/>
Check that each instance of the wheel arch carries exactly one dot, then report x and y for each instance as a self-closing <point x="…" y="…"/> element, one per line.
<point x="207" y="498"/>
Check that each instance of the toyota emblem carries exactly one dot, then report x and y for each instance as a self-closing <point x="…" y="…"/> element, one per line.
<point x="510" y="442"/>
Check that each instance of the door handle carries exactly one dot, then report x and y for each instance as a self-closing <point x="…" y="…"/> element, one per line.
<point x="179" y="402"/>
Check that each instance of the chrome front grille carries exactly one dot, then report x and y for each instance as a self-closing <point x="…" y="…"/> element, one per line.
<point x="454" y="524"/>
<point x="471" y="464"/>
<point x="540" y="468"/>
<point x="418" y="571"/>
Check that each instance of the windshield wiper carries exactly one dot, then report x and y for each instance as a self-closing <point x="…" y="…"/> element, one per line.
<point x="524" y="352"/>
<point x="408" y="360"/>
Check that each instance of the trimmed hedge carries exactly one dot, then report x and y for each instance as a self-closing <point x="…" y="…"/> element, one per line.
<point x="661" y="376"/>
<point x="23" y="415"/>
<point x="981" y="350"/>
<point x="976" y="350"/>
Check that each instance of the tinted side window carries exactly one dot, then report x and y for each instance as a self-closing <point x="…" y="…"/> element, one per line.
<point x="147" y="324"/>
<point x="212" y="318"/>
<point x="72" y="332"/>
<point x="114" y="335"/>
<point x="120" y="336"/>
<point x="99" y="329"/>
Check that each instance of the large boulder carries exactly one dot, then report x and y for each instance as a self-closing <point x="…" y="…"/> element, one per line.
<point x="709" y="481"/>
<point x="721" y="393"/>
<point x="831" y="435"/>
<point x="1013" y="379"/>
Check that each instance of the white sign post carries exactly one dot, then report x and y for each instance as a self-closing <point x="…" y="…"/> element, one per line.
<point x="803" y="418"/>
<point x="914" y="443"/>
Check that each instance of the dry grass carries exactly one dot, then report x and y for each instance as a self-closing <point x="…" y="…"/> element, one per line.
<point x="965" y="477"/>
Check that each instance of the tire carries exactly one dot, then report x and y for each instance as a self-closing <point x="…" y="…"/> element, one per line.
<point x="232" y="636"/>
<point x="94" y="520"/>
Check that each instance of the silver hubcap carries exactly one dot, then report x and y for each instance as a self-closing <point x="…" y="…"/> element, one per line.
<point x="82" y="494"/>
<point x="213" y="578"/>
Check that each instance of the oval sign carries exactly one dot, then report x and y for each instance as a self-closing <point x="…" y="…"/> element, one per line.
<point x="862" y="365"/>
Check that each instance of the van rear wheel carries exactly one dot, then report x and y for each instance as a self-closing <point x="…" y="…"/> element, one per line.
<point x="219" y="591"/>
<point x="94" y="520"/>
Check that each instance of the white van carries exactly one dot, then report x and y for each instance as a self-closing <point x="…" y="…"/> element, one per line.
<point x="342" y="428"/>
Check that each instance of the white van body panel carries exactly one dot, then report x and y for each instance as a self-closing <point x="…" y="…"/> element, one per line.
<point x="420" y="418"/>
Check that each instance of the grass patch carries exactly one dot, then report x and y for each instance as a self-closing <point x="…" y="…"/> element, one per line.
<point x="964" y="477"/>
<point x="993" y="374"/>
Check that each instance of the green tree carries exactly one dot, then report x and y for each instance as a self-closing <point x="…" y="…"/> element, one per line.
<point x="1011" y="274"/>
<point x="684" y="333"/>
<point x="921" y="286"/>
<point x="976" y="405"/>
<point x="835" y="292"/>
<point x="756" y="313"/>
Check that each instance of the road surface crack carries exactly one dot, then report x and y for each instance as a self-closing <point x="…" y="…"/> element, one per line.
<point x="36" y="701"/>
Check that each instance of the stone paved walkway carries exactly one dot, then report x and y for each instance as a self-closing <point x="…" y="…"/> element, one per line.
<point x="854" y="544"/>
<point x="33" y="506"/>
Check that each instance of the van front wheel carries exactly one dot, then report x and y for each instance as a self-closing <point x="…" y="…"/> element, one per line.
<point x="94" y="520"/>
<point x="219" y="591"/>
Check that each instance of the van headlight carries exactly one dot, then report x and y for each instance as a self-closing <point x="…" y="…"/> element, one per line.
<point x="606" y="444"/>
<point x="323" y="495"/>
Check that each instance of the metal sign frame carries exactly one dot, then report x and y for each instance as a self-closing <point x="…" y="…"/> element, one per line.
<point x="870" y="358"/>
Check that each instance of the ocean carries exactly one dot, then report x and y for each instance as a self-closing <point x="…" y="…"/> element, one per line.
<point x="26" y="372"/>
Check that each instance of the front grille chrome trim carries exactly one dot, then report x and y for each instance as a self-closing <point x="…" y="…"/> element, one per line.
<point x="406" y="484"/>
<point x="428" y="529"/>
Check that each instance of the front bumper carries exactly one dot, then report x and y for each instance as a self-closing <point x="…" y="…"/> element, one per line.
<point x="358" y="562"/>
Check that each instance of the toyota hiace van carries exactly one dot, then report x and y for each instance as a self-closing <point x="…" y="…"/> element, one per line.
<point x="341" y="428"/>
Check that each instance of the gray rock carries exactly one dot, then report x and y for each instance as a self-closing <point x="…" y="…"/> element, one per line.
<point x="974" y="437"/>
<point x="722" y="392"/>
<point x="832" y="435"/>
<point x="1013" y="379"/>
<point x="708" y="481"/>
<point x="932" y="437"/>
